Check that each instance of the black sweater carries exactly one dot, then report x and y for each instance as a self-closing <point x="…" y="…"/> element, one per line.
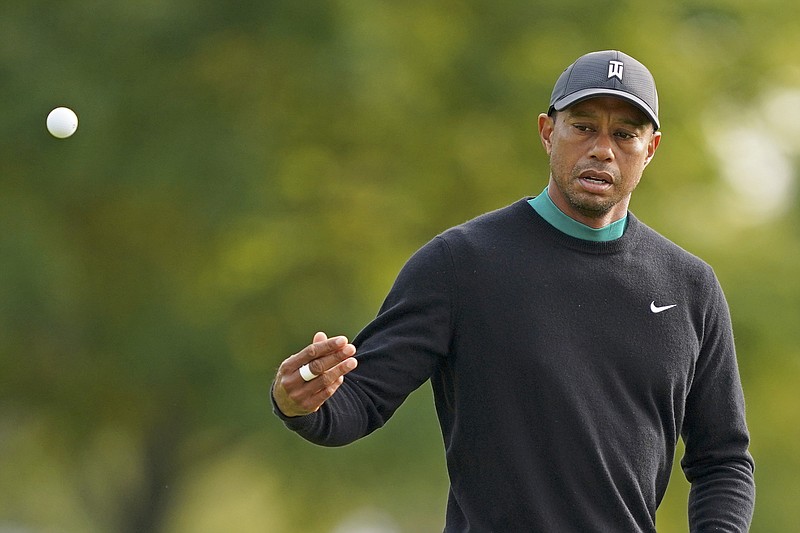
<point x="560" y="393"/>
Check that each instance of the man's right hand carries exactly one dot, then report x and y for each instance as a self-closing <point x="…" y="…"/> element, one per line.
<point x="330" y="359"/>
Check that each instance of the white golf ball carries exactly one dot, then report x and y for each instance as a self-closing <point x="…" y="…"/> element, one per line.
<point x="62" y="122"/>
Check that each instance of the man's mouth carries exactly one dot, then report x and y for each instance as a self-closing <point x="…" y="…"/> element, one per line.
<point x="595" y="180"/>
<point x="597" y="176"/>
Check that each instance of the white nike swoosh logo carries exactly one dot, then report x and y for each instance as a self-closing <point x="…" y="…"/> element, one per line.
<point x="654" y="308"/>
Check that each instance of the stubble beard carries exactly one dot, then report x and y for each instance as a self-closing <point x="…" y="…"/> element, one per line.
<point x="585" y="203"/>
<point x="589" y="208"/>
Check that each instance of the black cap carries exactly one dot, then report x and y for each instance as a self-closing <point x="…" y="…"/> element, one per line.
<point x="607" y="73"/>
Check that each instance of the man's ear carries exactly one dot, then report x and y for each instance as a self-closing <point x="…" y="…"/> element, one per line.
<point x="546" y="124"/>
<point x="652" y="146"/>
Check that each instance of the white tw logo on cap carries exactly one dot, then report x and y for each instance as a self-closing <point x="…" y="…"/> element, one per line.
<point x="615" y="69"/>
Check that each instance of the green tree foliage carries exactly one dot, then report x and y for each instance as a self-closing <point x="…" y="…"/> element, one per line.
<point x="248" y="173"/>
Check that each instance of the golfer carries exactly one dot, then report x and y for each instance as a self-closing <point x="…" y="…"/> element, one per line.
<point x="569" y="345"/>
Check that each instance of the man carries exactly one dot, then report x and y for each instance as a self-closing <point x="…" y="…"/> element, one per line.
<point x="568" y="344"/>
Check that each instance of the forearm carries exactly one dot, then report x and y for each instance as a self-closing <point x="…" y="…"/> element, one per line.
<point x="717" y="461"/>
<point x="722" y="498"/>
<point x="397" y="352"/>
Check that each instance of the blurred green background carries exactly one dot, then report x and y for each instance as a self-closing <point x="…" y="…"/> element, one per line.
<point x="247" y="173"/>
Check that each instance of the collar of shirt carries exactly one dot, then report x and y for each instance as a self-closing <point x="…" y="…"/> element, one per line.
<point x="544" y="205"/>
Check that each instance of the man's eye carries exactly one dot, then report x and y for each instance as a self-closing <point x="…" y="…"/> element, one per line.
<point x="624" y="135"/>
<point x="581" y="127"/>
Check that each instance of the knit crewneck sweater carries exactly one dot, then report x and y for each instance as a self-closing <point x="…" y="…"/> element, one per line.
<point x="564" y="371"/>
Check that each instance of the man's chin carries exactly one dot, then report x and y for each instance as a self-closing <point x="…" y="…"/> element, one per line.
<point x="591" y="207"/>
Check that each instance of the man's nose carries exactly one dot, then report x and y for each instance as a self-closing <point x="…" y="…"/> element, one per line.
<point x="602" y="149"/>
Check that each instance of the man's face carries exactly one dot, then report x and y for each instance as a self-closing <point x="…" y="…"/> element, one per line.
<point x="598" y="150"/>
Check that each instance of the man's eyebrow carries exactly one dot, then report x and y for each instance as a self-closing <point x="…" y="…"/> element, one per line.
<point x="635" y="121"/>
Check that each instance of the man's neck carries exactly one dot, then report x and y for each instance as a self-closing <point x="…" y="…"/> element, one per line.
<point x="548" y="210"/>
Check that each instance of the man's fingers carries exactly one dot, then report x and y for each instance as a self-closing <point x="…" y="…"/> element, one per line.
<point x="322" y="395"/>
<point x="322" y="365"/>
<point x="310" y="396"/>
<point x="297" y="393"/>
<point x="332" y="375"/>
<point x="321" y="348"/>
<point x="321" y="355"/>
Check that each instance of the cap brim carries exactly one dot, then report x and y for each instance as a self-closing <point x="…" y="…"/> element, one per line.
<point x="585" y="94"/>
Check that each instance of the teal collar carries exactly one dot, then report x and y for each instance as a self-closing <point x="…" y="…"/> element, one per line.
<point x="544" y="205"/>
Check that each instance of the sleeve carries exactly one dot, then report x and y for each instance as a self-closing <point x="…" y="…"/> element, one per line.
<point x="397" y="352"/>
<point x="717" y="462"/>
